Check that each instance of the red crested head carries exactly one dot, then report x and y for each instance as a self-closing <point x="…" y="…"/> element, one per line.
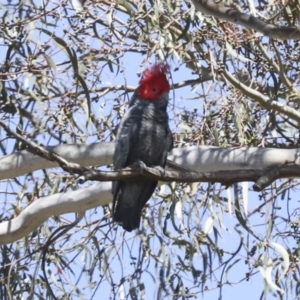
<point x="154" y="82"/>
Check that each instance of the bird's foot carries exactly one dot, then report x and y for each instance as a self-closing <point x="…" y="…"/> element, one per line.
<point x="141" y="165"/>
<point x="160" y="169"/>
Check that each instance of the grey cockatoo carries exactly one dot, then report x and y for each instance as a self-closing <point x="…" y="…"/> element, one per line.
<point x="143" y="135"/>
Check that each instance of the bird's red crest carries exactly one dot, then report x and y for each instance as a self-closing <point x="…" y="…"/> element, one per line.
<point x="154" y="82"/>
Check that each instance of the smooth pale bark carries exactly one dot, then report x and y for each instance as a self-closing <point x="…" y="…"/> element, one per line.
<point x="204" y="159"/>
<point x="23" y="162"/>
<point x="43" y="208"/>
<point x="231" y="14"/>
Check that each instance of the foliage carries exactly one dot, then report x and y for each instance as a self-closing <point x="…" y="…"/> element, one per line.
<point x="67" y="73"/>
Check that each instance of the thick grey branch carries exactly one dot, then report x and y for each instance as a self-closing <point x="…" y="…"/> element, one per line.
<point x="200" y="159"/>
<point x="234" y="16"/>
<point x="43" y="208"/>
<point x="196" y="158"/>
<point x="24" y="162"/>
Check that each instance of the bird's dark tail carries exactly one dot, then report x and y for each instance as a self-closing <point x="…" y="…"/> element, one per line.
<point x="129" y="200"/>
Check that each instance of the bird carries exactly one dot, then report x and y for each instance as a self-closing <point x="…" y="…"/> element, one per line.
<point x="143" y="136"/>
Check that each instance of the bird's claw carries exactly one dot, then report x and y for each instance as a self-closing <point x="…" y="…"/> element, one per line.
<point x="141" y="165"/>
<point x="161" y="170"/>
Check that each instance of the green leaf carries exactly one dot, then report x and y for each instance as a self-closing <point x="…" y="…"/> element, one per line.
<point x="50" y="62"/>
<point x="87" y="93"/>
<point x="59" y="41"/>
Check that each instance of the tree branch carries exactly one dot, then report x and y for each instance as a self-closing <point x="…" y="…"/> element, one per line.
<point x="44" y="153"/>
<point x="262" y="178"/>
<point x="181" y="175"/>
<point x="196" y="158"/>
<point x="234" y="16"/>
<point x="43" y="208"/>
<point x="264" y="101"/>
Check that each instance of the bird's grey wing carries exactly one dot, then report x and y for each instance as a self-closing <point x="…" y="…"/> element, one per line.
<point x="168" y="147"/>
<point x="126" y="139"/>
<point x="170" y="140"/>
